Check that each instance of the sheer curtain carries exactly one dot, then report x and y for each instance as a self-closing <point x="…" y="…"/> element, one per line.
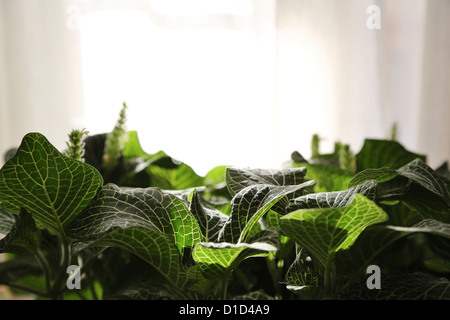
<point x="241" y="82"/>
<point x="40" y="79"/>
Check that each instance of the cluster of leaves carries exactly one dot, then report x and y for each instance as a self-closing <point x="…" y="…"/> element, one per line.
<point x="146" y="226"/>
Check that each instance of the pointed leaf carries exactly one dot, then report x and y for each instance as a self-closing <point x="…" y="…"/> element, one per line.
<point x="210" y="220"/>
<point x="416" y="170"/>
<point x="419" y="172"/>
<point x="384" y="153"/>
<point x="334" y="199"/>
<point x="323" y="232"/>
<point x="154" y="247"/>
<point x="240" y="178"/>
<point x="301" y="273"/>
<point x="213" y="259"/>
<point x="328" y="177"/>
<point x="49" y="185"/>
<point x="180" y="177"/>
<point x="249" y="205"/>
<point x="149" y="208"/>
<point x="377" y="238"/>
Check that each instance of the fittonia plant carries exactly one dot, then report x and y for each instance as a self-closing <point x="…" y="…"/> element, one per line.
<point x="146" y="226"/>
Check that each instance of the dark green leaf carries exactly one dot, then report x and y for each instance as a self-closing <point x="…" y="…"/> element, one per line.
<point x="149" y="208"/>
<point x="384" y="153"/>
<point x="49" y="185"/>
<point x="328" y="177"/>
<point x="249" y="205"/>
<point x="23" y="236"/>
<point x="154" y="247"/>
<point x="419" y="172"/>
<point x="240" y="178"/>
<point x="334" y="199"/>
<point x="323" y="232"/>
<point x="377" y="238"/>
<point x="210" y="220"/>
<point x="18" y="268"/>
<point x="301" y="273"/>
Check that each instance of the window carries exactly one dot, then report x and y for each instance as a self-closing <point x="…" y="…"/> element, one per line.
<point x="196" y="78"/>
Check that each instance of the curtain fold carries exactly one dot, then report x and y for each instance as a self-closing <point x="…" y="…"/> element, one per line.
<point x="40" y="72"/>
<point x="433" y="136"/>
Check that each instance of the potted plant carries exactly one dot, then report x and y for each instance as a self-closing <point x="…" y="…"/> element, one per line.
<point x="106" y="220"/>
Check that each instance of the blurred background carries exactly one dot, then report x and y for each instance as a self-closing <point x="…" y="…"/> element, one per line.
<point x="234" y="82"/>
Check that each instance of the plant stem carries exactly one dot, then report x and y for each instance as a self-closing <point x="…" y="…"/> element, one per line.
<point x="276" y="272"/>
<point x="57" y="287"/>
<point x="45" y="268"/>
<point x="329" y="275"/>
<point x="91" y="286"/>
<point x="225" y="285"/>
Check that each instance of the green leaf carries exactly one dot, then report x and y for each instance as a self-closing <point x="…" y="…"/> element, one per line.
<point x="18" y="268"/>
<point x="52" y="187"/>
<point x="334" y="199"/>
<point x="323" y="232"/>
<point x="214" y="259"/>
<point x="216" y="176"/>
<point x="401" y="214"/>
<point x="419" y="172"/>
<point x="149" y="208"/>
<point x="375" y="239"/>
<point x="378" y="174"/>
<point x="7" y="221"/>
<point x="23" y="236"/>
<point x="132" y="147"/>
<point x="328" y="177"/>
<point x="249" y="205"/>
<point x="416" y="171"/>
<point x="429" y="205"/>
<point x="384" y="153"/>
<point x="438" y="265"/>
<point x="428" y="225"/>
<point x="154" y="247"/>
<point x="210" y="220"/>
<point x="180" y="177"/>
<point x="240" y="178"/>
<point x="301" y="273"/>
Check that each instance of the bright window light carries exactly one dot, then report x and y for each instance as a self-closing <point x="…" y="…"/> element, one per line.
<point x="197" y="94"/>
<point x="202" y="7"/>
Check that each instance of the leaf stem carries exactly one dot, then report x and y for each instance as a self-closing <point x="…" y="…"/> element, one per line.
<point x="92" y="286"/>
<point x="58" y="288"/>
<point x="275" y="268"/>
<point x="225" y="285"/>
<point x="330" y="274"/>
<point x="45" y="268"/>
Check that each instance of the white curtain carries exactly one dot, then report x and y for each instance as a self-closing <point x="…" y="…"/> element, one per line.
<point x="274" y="73"/>
<point x="40" y="80"/>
